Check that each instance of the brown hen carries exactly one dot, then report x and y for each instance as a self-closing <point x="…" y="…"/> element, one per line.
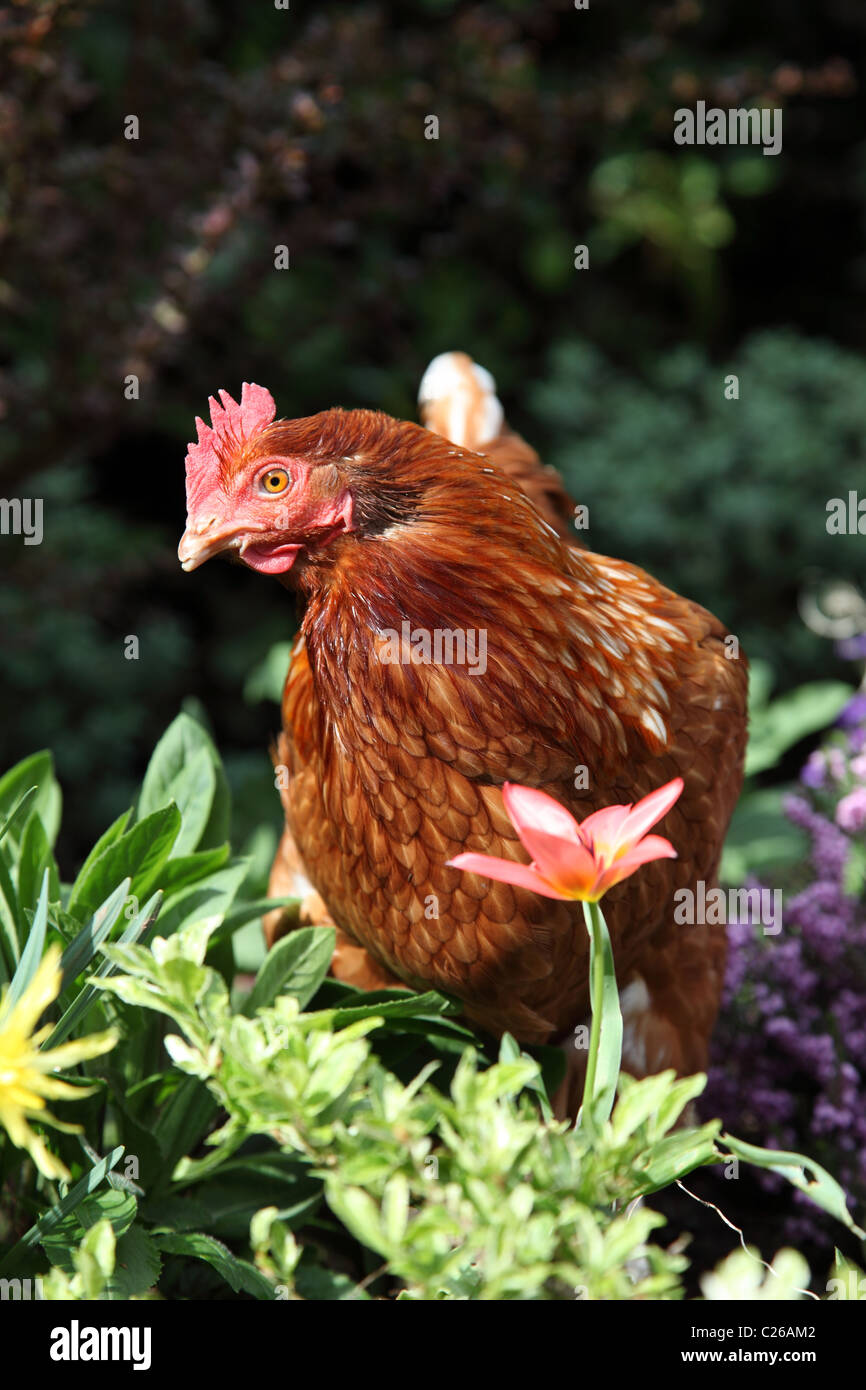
<point x="555" y="667"/>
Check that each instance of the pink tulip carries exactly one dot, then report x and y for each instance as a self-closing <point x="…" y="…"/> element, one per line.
<point x="571" y="859"/>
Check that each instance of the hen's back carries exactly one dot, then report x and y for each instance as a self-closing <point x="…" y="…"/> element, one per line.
<point x="457" y="399"/>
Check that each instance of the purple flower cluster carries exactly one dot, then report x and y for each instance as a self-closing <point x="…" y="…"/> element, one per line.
<point x="789" y="1054"/>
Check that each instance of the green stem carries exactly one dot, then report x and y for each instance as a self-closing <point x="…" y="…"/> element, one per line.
<point x="605" y="1035"/>
<point x="591" y="913"/>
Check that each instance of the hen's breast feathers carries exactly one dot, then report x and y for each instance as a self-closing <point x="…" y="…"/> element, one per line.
<point x="397" y="766"/>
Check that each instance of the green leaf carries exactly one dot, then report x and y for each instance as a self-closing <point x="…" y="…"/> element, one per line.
<point x="209" y="897"/>
<point x="824" y="1190"/>
<point x="680" y="1153"/>
<point x="33" y="949"/>
<point x="241" y="1276"/>
<point x="326" y="1286"/>
<point x="34" y="858"/>
<point x="83" y="947"/>
<point x="180" y="871"/>
<point x="138" y="855"/>
<point x="761" y="838"/>
<point x="357" y="1211"/>
<point x="183" y="1122"/>
<point x="51" y="1218"/>
<point x="108" y="837"/>
<point x="76" y="1011"/>
<point x="174" y="774"/>
<point x="421" y="1006"/>
<point x="14" y="814"/>
<point x="266" y="680"/>
<point x="137" y="1265"/>
<point x="36" y="771"/>
<point x="296" y="965"/>
<point x="790" y="718"/>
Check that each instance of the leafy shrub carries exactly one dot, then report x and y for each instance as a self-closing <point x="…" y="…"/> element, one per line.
<point x="290" y="1136"/>
<point x="723" y="500"/>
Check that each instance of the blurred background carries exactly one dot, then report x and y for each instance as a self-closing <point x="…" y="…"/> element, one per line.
<point x="260" y="127"/>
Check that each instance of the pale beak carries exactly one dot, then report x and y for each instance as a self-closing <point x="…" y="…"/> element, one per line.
<point x="201" y="542"/>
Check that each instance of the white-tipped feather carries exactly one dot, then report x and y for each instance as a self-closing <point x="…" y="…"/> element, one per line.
<point x="458" y="400"/>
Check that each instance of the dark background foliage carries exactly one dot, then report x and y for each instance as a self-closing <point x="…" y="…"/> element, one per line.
<point x="305" y="127"/>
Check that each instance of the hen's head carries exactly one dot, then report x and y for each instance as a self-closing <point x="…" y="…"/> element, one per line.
<point x="297" y="495"/>
<point x="262" y="490"/>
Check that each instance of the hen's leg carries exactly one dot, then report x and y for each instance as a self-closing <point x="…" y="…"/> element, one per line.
<point x="350" y="963"/>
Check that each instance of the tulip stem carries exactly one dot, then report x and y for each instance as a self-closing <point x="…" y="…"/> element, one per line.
<point x="605" y="1035"/>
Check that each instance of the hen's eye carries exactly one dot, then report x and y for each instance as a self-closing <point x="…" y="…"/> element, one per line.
<point x="275" y="480"/>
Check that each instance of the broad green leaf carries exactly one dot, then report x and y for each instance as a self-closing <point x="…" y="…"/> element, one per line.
<point x="210" y="897"/>
<point x="36" y="771"/>
<point x="119" y="1208"/>
<point x="108" y="837"/>
<point x="34" y="859"/>
<point x="139" y="855"/>
<point x="167" y="778"/>
<point x="25" y="800"/>
<point x="180" y="871"/>
<point x="296" y="965"/>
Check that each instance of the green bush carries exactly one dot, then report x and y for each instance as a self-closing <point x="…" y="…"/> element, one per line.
<point x="725" y="500"/>
<point x="289" y="1136"/>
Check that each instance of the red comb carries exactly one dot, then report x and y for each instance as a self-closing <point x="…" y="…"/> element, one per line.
<point x="231" y="424"/>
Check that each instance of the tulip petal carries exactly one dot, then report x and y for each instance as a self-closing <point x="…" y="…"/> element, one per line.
<point x="507" y="871"/>
<point x="646" y="812"/>
<point x="604" y="828"/>
<point x="549" y="834"/>
<point x="651" y="847"/>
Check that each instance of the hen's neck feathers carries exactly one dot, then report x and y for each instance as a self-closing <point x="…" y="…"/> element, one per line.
<point x="587" y="647"/>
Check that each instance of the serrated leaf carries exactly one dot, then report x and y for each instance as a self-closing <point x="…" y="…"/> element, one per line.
<point x="137" y="1265"/>
<point x="51" y="1218"/>
<point x="241" y="1276"/>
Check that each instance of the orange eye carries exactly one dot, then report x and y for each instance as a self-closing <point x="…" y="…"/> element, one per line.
<point x="275" y="480"/>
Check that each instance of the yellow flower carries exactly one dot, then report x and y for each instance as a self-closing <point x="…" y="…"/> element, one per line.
<point x="25" y="1080"/>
